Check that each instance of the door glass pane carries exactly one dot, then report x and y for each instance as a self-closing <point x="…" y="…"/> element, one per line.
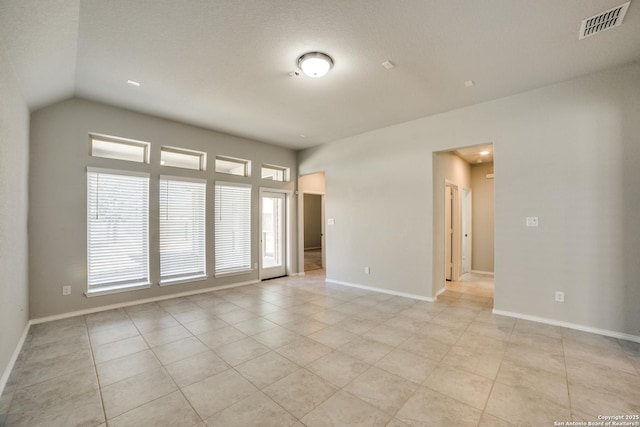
<point x="272" y="233"/>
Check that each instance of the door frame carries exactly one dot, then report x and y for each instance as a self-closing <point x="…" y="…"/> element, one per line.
<point x="287" y="228"/>
<point x="456" y="223"/>
<point x="467" y="207"/>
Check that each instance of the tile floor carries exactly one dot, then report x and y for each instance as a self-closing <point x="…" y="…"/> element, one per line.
<point x="297" y="351"/>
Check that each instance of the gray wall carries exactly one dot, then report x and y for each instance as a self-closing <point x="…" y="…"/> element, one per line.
<point x="447" y="167"/>
<point x="59" y="158"/>
<point x="312" y="221"/>
<point x="482" y="218"/>
<point x="14" y="169"/>
<point x="567" y="153"/>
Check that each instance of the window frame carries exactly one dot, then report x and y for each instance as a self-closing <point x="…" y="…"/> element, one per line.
<point x="146" y="146"/>
<point x="176" y="150"/>
<point x="188" y="276"/>
<point x="123" y="285"/>
<point x="241" y="162"/>
<point x="285" y="172"/>
<point x="217" y="240"/>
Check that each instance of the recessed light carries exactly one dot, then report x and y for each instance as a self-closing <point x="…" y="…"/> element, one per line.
<point x="469" y="83"/>
<point x="133" y="83"/>
<point x="484" y="153"/>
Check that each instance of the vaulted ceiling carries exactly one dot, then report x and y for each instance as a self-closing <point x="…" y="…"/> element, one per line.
<point x="225" y="65"/>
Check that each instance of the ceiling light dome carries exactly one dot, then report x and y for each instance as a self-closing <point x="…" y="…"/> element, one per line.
<point x="315" y="64"/>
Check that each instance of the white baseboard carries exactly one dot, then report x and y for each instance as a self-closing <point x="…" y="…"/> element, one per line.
<point x="569" y="325"/>
<point x="14" y="357"/>
<point x="440" y="292"/>
<point x="488" y="273"/>
<point x="297" y="274"/>
<point x="138" y="302"/>
<point x="380" y="290"/>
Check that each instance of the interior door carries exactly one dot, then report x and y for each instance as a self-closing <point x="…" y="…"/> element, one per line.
<point x="272" y="235"/>
<point x="448" y="232"/>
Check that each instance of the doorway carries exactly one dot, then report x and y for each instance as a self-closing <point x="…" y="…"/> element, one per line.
<point x="273" y="235"/>
<point x="313" y="231"/>
<point x="467" y="212"/>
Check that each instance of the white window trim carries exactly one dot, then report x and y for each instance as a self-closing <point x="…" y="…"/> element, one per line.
<point x="245" y="162"/>
<point x="201" y="154"/>
<point x="285" y="172"/>
<point x="119" y="140"/>
<point x="194" y="277"/>
<point x="245" y="270"/>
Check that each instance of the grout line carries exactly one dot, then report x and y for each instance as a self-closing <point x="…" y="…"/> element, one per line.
<point x="566" y="376"/>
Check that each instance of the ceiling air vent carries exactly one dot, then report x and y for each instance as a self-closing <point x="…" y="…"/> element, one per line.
<point x="603" y="21"/>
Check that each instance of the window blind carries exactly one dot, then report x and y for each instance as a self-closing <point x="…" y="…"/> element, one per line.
<point x="182" y="228"/>
<point x="233" y="227"/>
<point x="117" y="229"/>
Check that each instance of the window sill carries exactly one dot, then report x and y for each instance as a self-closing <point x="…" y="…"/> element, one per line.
<point x="184" y="279"/>
<point x="233" y="273"/>
<point x="107" y="290"/>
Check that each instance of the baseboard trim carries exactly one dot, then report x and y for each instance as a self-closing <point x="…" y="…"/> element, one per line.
<point x="488" y="273"/>
<point x="380" y="290"/>
<point x="138" y="302"/>
<point x="7" y="372"/>
<point x="297" y="274"/>
<point x="440" y="292"/>
<point x="569" y="325"/>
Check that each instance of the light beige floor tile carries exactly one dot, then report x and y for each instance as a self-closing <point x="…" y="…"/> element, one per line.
<point x="84" y="410"/>
<point x="171" y="410"/>
<point x="410" y="325"/>
<point x="554" y="385"/>
<point x="483" y="362"/>
<point x="255" y="410"/>
<point x="266" y="369"/>
<point x="71" y="344"/>
<point x="445" y="334"/>
<point x="240" y="351"/>
<point x="537" y="328"/>
<point x="220" y="337"/>
<point x="127" y="366"/>
<point x="254" y="326"/>
<point x="300" y="392"/>
<point x="276" y="337"/>
<point x="463" y="386"/>
<point x="367" y="350"/>
<point x="396" y="423"/>
<point x="36" y="372"/>
<point x="541" y="342"/>
<point x="179" y="350"/>
<point x="206" y="324"/>
<point x="284" y="317"/>
<point x="489" y="420"/>
<point x="117" y="349"/>
<point x="330" y="317"/>
<point x="237" y="316"/>
<point x="333" y="336"/>
<point x="191" y="315"/>
<point x="132" y="392"/>
<point x="344" y="409"/>
<point x="338" y="368"/>
<point x="471" y="339"/>
<point x="154" y="322"/>
<point x="223" y="307"/>
<point x="520" y="405"/>
<point x="430" y="408"/>
<point x="614" y="357"/>
<point x="196" y="368"/>
<point x="384" y="390"/>
<point x="425" y="347"/>
<point x="532" y="357"/>
<point x="305" y="327"/>
<point x="355" y="325"/>
<point x="407" y="365"/>
<point x="166" y="336"/>
<point x="218" y="392"/>
<point x="113" y="334"/>
<point x="303" y="351"/>
<point x="387" y="335"/>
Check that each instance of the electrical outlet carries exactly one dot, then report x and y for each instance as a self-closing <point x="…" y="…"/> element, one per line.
<point x="255" y="265"/>
<point x="66" y="290"/>
<point x="559" y="296"/>
<point x="366" y="270"/>
<point x="532" y="221"/>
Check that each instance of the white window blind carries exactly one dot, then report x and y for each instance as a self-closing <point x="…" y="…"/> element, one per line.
<point x="233" y="227"/>
<point x="117" y="229"/>
<point x="182" y="228"/>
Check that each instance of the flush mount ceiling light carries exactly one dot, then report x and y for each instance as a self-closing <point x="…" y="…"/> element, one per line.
<point x="484" y="153"/>
<point x="315" y="64"/>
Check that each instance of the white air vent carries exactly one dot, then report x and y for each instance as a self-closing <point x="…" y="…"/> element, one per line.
<point x="603" y="21"/>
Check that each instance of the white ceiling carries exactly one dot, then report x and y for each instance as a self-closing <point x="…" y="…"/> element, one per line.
<point x="224" y="64"/>
<point x="472" y="154"/>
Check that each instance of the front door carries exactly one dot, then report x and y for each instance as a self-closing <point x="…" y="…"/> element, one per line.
<point x="272" y="235"/>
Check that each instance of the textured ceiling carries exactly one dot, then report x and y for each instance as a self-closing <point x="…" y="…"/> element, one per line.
<point x="224" y="65"/>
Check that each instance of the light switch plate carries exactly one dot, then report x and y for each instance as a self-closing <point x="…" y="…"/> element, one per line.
<point x="532" y="221"/>
<point x="331" y="221"/>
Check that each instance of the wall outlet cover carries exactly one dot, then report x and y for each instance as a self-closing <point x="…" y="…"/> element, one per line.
<point x="532" y="221"/>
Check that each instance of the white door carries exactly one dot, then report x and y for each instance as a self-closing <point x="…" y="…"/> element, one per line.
<point x="272" y="235"/>
<point x="448" y="232"/>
